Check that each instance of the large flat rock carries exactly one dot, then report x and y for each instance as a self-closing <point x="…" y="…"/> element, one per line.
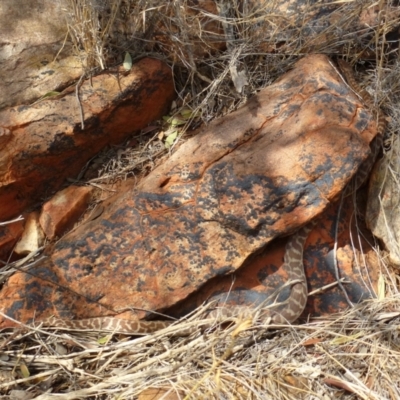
<point x="44" y="143"/>
<point x="260" y="173"/>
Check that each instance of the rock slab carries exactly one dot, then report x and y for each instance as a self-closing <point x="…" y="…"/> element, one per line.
<point x="260" y="173"/>
<point x="44" y="143"/>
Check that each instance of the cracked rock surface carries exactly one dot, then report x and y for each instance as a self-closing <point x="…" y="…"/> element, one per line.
<point x="246" y="179"/>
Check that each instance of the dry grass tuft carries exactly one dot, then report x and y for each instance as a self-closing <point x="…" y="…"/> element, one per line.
<point x="221" y="55"/>
<point x="354" y="355"/>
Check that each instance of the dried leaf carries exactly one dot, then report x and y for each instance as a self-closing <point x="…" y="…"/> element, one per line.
<point x="345" y="339"/>
<point x="127" y="62"/>
<point x="24" y="370"/>
<point x="161" y="135"/>
<point x="60" y="349"/>
<point x="174" y="121"/>
<point x="188" y="114"/>
<point x="239" y="79"/>
<point x="103" y="340"/>
<point x="312" y="341"/>
<point x="169" y="141"/>
<point x="50" y="94"/>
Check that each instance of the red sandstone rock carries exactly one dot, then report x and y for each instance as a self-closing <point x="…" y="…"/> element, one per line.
<point x="46" y="143"/>
<point x="63" y="210"/>
<point x="9" y="235"/>
<point x="262" y="172"/>
<point x="258" y="279"/>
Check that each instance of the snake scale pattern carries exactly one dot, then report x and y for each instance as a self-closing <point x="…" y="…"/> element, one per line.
<point x="293" y="259"/>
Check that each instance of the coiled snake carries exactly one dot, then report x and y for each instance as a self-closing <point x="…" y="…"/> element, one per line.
<point x="293" y="259"/>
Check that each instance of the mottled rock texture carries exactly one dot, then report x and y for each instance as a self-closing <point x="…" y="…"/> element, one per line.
<point x="257" y="281"/>
<point x="9" y="236"/>
<point x="260" y="173"/>
<point x="63" y="210"/>
<point x="44" y="143"/>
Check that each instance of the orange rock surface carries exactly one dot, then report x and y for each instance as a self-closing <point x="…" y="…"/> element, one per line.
<point x="246" y="179"/>
<point x="63" y="210"/>
<point x="45" y="142"/>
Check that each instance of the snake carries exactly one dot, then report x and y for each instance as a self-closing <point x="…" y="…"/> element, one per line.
<point x="293" y="258"/>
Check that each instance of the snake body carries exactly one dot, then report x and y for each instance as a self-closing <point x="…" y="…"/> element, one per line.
<point x="293" y="261"/>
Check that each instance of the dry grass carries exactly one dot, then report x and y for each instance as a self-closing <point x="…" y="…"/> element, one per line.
<point x="354" y="355"/>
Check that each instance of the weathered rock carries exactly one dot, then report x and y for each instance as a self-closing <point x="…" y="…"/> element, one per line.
<point x="63" y="210"/>
<point x="259" y="278"/>
<point x="9" y="235"/>
<point x="382" y="214"/>
<point x="32" y="237"/>
<point x="262" y="172"/>
<point x="46" y="144"/>
<point x="34" y="57"/>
